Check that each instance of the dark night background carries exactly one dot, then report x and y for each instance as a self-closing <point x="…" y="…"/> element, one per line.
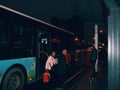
<point x="78" y="16"/>
<point x="87" y="10"/>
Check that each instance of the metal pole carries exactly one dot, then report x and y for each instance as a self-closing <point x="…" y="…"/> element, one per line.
<point x="96" y="45"/>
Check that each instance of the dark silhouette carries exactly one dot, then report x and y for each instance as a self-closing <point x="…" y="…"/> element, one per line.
<point x="61" y="68"/>
<point x="93" y="58"/>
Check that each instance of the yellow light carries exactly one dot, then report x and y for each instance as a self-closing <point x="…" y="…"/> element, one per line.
<point x="101" y="31"/>
<point x="30" y="79"/>
<point x="76" y="39"/>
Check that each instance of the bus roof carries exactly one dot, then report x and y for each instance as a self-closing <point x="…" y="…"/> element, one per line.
<point x="35" y="19"/>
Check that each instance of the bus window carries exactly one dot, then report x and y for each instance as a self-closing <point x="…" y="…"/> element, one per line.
<point x="4" y="41"/>
<point x="23" y="42"/>
<point x="3" y="34"/>
<point x="23" y="37"/>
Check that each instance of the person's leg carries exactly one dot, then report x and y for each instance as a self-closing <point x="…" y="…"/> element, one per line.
<point x="93" y="70"/>
<point x="60" y="80"/>
<point x="50" y="84"/>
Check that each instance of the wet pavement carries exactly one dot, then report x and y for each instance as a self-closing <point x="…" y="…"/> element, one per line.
<point x="85" y="82"/>
<point x="80" y="82"/>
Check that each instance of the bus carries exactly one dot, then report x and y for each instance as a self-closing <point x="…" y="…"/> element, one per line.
<point x="25" y="43"/>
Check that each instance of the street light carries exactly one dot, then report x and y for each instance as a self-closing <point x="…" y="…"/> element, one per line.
<point x="76" y="39"/>
<point x="101" y="31"/>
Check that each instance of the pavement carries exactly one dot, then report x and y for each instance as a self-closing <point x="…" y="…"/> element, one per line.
<point x="82" y="80"/>
<point x="85" y="82"/>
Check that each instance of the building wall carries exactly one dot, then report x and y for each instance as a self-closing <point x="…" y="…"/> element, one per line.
<point x="114" y="50"/>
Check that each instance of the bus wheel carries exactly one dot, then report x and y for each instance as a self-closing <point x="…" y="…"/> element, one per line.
<point x="14" y="79"/>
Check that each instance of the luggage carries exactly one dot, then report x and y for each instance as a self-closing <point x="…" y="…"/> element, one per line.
<point x="46" y="77"/>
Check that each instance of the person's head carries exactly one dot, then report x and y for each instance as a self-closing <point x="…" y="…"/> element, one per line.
<point x="92" y="46"/>
<point x="64" y="52"/>
<point x="53" y="53"/>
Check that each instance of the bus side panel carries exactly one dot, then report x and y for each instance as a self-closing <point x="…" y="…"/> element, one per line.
<point x="28" y="63"/>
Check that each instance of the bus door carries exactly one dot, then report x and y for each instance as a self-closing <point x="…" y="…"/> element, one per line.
<point x="44" y="49"/>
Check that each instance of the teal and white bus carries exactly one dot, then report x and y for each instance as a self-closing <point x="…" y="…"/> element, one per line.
<point x="25" y="43"/>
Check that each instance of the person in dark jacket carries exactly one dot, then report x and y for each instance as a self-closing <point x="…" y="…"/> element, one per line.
<point x="102" y="57"/>
<point x="93" y="58"/>
<point x="61" y="68"/>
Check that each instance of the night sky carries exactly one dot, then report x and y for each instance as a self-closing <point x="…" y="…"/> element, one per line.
<point x="69" y="14"/>
<point x="87" y="10"/>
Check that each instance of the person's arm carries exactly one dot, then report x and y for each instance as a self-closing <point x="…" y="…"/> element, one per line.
<point x="55" y="61"/>
<point x="48" y="64"/>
